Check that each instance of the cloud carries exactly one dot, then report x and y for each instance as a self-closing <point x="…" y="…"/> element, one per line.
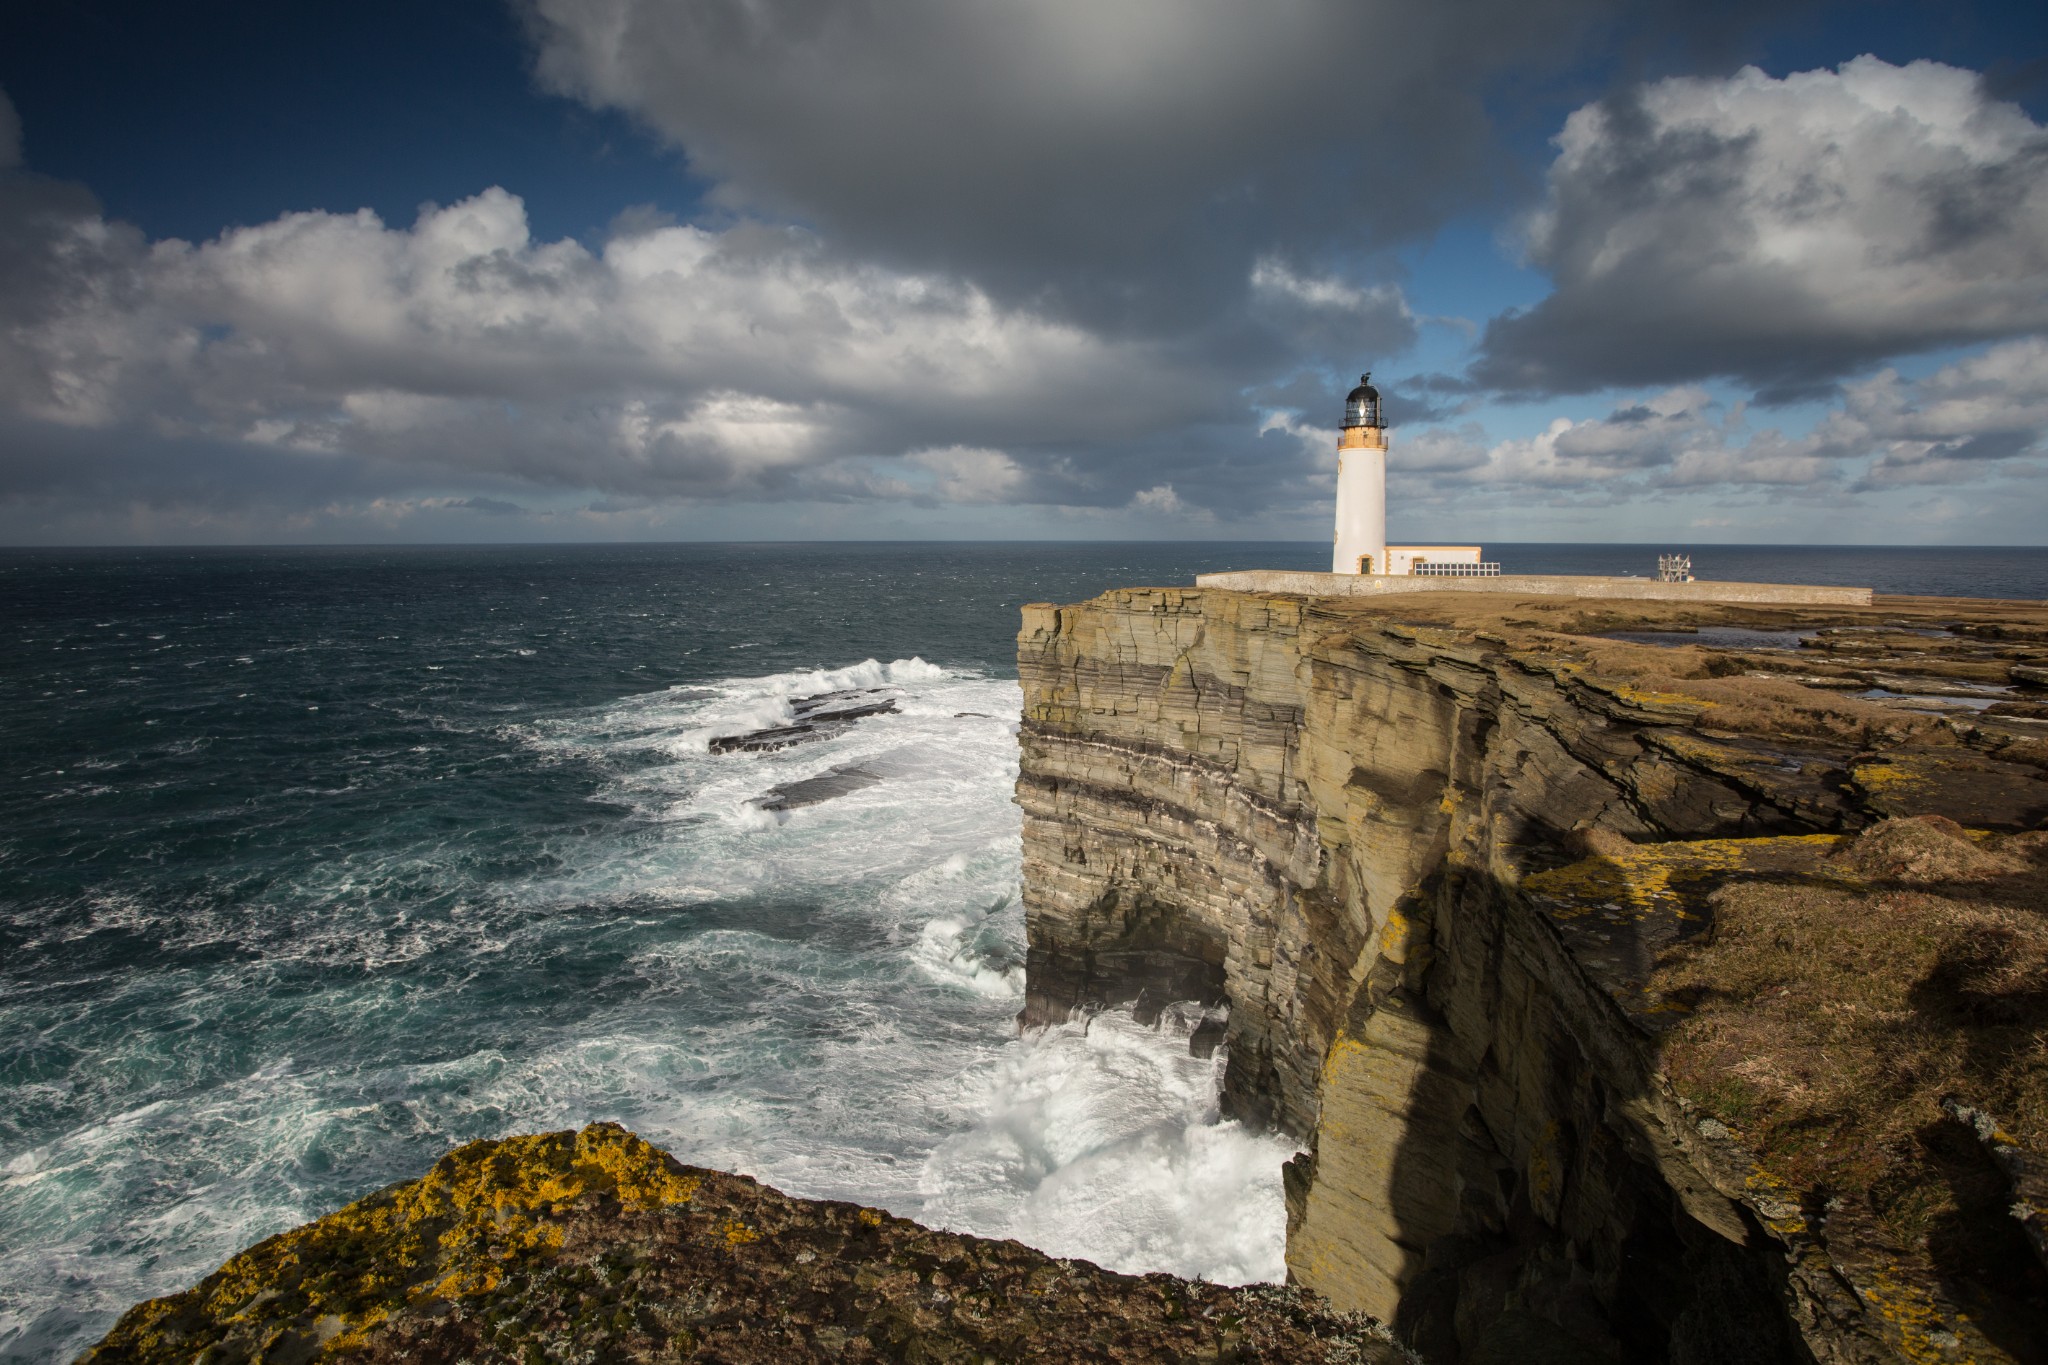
<point x="1159" y="499"/>
<point x="1784" y="232"/>
<point x="1958" y="425"/>
<point x="1967" y="421"/>
<point x="964" y="474"/>
<point x="1120" y="163"/>
<point x="675" y="361"/>
<point x="1326" y="314"/>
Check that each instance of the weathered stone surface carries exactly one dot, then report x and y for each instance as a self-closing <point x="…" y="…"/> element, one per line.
<point x="1555" y="585"/>
<point x="596" y="1246"/>
<point x="1338" y="815"/>
<point x="1370" y="1218"/>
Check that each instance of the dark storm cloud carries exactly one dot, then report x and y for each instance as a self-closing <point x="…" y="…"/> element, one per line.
<point x="1783" y="232"/>
<point x="1121" y="163"/>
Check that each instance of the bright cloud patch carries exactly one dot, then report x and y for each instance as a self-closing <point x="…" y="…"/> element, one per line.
<point x="679" y="361"/>
<point x="1782" y="231"/>
<point x="1965" y="422"/>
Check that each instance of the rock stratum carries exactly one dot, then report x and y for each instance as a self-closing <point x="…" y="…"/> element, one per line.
<point x="1635" y="1002"/>
<point x="597" y="1246"/>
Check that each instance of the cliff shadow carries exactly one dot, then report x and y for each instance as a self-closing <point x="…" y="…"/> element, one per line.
<point x="1864" y="1013"/>
<point x="1135" y="951"/>
<point x="1517" y="1211"/>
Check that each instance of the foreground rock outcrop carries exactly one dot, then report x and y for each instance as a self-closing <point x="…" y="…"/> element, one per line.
<point x="1611" y="1034"/>
<point x="597" y="1246"/>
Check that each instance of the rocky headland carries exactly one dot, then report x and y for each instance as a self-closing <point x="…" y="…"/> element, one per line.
<point x="596" y="1246"/>
<point x="1645" y="982"/>
<point x="1676" y="998"/>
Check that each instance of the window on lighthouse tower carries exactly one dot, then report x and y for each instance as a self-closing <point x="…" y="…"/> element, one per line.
<point x="1362" y="404"/>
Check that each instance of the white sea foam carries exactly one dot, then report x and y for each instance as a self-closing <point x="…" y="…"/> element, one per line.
<point x="821" y="997"/>
<point x="958" y="948"/>
<point x="1101" y="1139"/>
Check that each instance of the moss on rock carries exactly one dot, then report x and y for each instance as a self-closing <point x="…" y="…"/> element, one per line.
<point x="599" y="1246"/>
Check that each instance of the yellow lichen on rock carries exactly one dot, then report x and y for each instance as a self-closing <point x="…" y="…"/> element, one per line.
<point x="484" y="1208"/>
<point x="1644" y="876"/>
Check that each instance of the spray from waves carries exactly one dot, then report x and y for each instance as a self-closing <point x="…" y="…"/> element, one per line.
<point x="973" y="949"/>
<point x="1100" y="1139"/>
<point x="737" y="705"/>
<point x="821" y="997"/>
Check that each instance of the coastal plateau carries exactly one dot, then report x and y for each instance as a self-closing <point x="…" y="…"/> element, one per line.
<point x="1679" y="998"/>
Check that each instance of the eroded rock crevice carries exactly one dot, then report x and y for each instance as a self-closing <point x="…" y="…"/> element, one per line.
<point x="1333" y="819"/>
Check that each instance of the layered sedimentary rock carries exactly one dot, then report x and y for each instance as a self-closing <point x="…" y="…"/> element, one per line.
<point x="1336" y="818"/>
<point x="596" y="1246"/>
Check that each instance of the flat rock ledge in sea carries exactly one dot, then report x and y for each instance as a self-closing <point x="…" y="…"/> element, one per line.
<point x="600" y="1246"/>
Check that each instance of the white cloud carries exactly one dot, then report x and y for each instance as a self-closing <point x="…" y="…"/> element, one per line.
<point x="1967" y="421"/>
<point x="677" y="361"/>
<point x="1273" y="280"/>
<point x="1783" y="230"/>
<point x="1162" y="501"/>
<point x="966" y="474"/>
<point x="1955" y="426"/>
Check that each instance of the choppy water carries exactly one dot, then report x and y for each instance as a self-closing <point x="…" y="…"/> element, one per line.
<point x="314" y="863"/>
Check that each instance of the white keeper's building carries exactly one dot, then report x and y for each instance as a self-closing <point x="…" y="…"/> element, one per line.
<point x="1361" y="540"/>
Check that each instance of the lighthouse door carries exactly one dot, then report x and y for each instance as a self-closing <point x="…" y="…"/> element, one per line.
<point x="1365" y="563"/>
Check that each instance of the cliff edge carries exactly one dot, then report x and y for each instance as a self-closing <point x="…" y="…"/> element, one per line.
<point x="1635" y="1002"/>
<point x="598" y="1246"/>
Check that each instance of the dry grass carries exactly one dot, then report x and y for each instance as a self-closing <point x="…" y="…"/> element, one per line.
<point x="2023" y="623"/>
<point x="1720" y="679"/>
<point x="1573" y="628"/>
<point x="1833" y="1017"/>
<point x="1771" y="707"/>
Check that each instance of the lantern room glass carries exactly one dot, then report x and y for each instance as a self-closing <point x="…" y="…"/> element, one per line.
<point x="1362" y="405"/>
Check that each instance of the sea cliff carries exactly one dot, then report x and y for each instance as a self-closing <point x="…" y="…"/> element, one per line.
<point x="1630" y="1002"/>
<point x="1625" y="1002"/>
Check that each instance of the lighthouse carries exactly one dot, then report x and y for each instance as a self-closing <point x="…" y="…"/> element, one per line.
<point x="1362" y="506"/>
<point x="1361" y="484"/>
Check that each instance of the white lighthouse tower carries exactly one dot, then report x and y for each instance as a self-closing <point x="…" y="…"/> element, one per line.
<point x="1361" y="485"/>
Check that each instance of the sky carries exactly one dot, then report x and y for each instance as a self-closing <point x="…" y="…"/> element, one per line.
<point x="556" y="270"/>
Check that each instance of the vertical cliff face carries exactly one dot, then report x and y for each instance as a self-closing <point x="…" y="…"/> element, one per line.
<point x="1328" y="821"/>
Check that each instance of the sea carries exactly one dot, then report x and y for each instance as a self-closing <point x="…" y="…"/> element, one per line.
<point x="317" y="862"/>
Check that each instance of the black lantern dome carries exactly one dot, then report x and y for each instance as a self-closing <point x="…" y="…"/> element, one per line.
<point x="1362" y="405"/>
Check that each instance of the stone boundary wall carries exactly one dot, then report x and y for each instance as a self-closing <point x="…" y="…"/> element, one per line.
<point x="1525" y="584"/>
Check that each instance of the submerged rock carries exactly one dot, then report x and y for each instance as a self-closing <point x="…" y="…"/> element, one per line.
<point x="843" y="780"/>
<point x="811" y="718"/>
<point x="600" y="1246"/>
